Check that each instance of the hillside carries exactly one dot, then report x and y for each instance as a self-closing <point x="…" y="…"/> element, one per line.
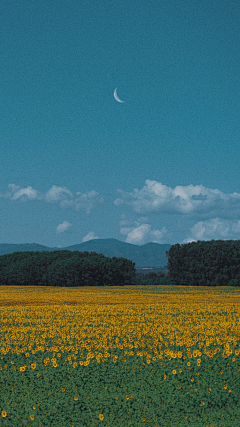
<point x="149" y="255"/>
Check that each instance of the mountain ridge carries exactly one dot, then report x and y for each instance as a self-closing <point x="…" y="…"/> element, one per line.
<point x="151" y="255"/>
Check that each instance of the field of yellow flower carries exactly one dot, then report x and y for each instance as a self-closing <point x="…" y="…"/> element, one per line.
<point x="121" y="356"/>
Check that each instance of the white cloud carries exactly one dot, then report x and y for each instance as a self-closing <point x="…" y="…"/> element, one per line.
<point x="143" y="234"/>
<point x="158" y="235"/>
<point x="190" y="200"/>
<point x="85" y="201"/>
<point x="15" y="192"/>
<point x="63" y="227"/>
<point x="214" y="229"/>
<point x="138" y="234"/>
<point x="90" y="236"/>
<point x="57" y="194"/>
<point x="131" y="222"/>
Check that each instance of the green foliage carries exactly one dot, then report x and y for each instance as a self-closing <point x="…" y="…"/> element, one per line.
<point x="64" y="268"/>
<point x="205" y="263"/>
<point x="125" y="393"/>
<point x="234" y="282"/>
<point x="210" y="263"/>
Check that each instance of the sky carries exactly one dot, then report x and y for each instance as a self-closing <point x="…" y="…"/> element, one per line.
<point x="76" y="164"/>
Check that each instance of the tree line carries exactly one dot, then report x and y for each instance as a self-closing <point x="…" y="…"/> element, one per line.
<point x="64" y="268"/>
<point x="205" y="263"/>
<point x="201" y="263"/>
<point x="70" y="269"/>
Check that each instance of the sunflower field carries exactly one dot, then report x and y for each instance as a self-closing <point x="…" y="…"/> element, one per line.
<point x="121" y="356"/>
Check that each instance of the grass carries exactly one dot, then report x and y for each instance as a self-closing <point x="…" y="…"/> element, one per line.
<point x="130" y="356"/>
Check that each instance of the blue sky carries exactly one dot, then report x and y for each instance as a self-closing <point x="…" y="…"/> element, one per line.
<point x="75" y="164"/>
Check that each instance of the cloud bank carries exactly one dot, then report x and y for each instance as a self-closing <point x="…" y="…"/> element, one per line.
<point x="192" y="212"/>
<point x="139" y="232"/>
<point x="63" y="227"/>
<point x="217" y="214"/>
<point x="89" y="236"/>
<point x="142" y="233"/>
<point x="78" y="201"/>
<point x="156" y="198"/>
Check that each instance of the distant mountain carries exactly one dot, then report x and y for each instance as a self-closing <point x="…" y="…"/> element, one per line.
<point x="8" y="248"/>
<point x="149" y="255"/>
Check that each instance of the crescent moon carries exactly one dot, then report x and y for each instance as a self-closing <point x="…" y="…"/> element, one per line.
<point x="116" y="97"/>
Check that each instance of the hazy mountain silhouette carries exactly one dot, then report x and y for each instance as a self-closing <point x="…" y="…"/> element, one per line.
<point x="149" y="255"/>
